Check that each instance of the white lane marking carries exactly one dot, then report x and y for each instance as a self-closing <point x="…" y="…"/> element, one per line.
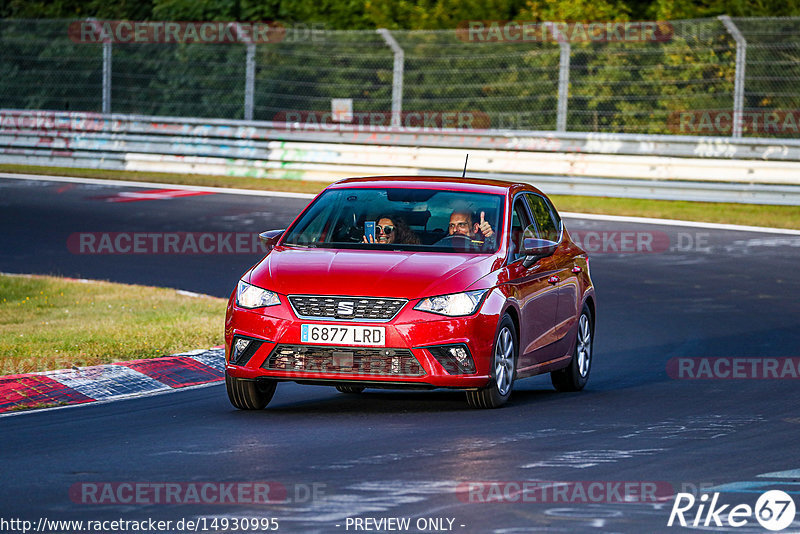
<point x="590" y="458"/>
<point x="249" y="192"/>
<point x="124" y="183"/>
<point x="696" y="427"/>
<point x="675" y="222"/>
<point x="792" y="473"/>
<point x="155" y="194"/>
<point x="464" y="446"/>
<point x="765" y="242"/>
<point x="189" y="293"/>
<point x="363" y="498"/>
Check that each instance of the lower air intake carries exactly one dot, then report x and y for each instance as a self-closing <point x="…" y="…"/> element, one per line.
<point x="350" y="360"/>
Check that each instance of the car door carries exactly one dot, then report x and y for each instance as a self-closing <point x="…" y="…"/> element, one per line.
<point x="533" y="289"/>
<point x="563" y="263"/>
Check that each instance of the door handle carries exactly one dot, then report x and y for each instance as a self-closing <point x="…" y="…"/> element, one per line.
<point x="553" y="280"/>
<point x="576" y="269"/>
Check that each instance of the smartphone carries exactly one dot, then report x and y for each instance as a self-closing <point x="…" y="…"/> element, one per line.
<point x="369" y="230"/>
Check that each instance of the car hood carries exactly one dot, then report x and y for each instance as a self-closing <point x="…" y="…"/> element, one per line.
<point x="368" y="272"/>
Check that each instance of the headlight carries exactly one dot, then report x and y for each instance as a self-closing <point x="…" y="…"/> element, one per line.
<point x="454" y="305"/>
<point x="250" y="296"/>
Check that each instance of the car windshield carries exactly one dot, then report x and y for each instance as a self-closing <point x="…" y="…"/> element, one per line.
<point x="425" y="220"/>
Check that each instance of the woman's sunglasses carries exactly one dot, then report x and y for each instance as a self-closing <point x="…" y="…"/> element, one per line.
<point x="385" y="230"/>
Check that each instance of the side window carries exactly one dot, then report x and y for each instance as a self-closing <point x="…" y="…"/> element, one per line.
<point x="519" y="221"/>
<point x="549" y="227"/>
<point x="554" y="214"/>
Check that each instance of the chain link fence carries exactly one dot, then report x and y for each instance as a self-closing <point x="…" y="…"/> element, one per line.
<point x="681" y="83"/>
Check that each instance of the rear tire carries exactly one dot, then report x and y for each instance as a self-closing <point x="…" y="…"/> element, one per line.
<point x="350" y="389"/>
<point x="503" y="369"/>
<point x="247" y="394"/>
<point x="576" y="374"/>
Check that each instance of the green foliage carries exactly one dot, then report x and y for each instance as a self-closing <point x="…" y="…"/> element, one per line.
<point x="438" y="14"/>
<point x="400" y="14"/>
<point x="62" y="9"/>
<point x="575" y="10"/>
<point x="40" y="68"/>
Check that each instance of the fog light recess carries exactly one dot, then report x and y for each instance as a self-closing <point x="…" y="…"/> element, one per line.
<point x="243" y="348"/>
<point x="455" y="359"/>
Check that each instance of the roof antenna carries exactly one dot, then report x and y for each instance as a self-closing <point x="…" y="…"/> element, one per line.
<point x="463" y="174"/>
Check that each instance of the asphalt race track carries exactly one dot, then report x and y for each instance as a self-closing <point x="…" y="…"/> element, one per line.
<point x="424" y="457"/>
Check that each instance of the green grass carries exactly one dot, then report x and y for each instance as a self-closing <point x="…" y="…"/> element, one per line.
<point x="718" y="212"/>
<point x="35" y="406"/>
<point x="55" y="323"/>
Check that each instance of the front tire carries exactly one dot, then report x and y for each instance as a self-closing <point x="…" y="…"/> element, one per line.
<point x="503" y="370"/>
<point x="249" y="394"/>
<point x="576" y="374"/>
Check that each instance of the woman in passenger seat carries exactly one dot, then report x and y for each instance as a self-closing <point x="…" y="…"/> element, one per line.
<point x="392" y="229"/>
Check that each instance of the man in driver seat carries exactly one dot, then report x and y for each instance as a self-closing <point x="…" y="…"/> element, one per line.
<point x="480" y="233"/>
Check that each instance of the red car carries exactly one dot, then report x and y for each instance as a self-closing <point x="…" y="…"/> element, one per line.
<point x="414" y="282"/>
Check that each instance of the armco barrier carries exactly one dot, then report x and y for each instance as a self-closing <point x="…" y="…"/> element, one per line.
<point x="669" y="167"/>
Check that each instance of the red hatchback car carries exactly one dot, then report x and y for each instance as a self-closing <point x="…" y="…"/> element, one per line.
<point x="414" y="282"/>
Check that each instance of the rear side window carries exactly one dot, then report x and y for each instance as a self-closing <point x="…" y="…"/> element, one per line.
<point x="546" y="220"/>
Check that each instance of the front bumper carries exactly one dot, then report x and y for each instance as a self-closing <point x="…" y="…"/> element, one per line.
<point x="404" y="361"/>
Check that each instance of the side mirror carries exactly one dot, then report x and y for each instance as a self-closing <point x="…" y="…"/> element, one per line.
<point x="536" y="249"/>
<point x="270" y="238"/>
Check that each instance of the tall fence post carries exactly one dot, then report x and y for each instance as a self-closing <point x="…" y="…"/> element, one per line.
<point x="397" y="75"/>
<point x="741" y="61"/>
<point x="563" y="78"/>
<point x="106" y="80"/>
<point x="107" y="77"/>
<point x="244" y="36"/>
<point x="249" y="81"/>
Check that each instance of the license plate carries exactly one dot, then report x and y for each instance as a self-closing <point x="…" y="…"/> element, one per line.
<point x="318" y="334"/>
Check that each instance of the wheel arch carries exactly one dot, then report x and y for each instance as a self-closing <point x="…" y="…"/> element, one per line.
<point x="513" y="313"/>
<point x="589" y="301"/>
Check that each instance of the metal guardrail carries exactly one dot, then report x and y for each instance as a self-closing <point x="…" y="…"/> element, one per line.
<point x="628" y="165"/>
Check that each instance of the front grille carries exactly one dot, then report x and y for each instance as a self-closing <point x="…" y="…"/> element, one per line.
<point x="351" y="360"/>
<point x="346" y="308"/>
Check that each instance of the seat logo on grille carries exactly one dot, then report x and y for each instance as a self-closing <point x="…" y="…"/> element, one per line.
<point x="345" y="308"/>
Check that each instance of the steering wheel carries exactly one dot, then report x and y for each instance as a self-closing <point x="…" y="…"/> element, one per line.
<point x="346" y="229"/>
<point x="457" y="241"/>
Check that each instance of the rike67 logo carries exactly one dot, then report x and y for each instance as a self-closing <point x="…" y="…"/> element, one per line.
<point x="774" y="510"/>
